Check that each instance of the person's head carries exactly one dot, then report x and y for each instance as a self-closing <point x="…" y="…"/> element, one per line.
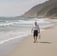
<point x="36" y="23"/>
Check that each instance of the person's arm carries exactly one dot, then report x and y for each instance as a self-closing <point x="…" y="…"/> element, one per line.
<point x="38" y="29"/>
<point x="32" y="30"/>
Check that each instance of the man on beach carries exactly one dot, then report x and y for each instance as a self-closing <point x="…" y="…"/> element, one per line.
<point x="36" y="32"/>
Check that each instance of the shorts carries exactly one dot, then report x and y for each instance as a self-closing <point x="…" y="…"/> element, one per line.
<point x="35" y="34"/>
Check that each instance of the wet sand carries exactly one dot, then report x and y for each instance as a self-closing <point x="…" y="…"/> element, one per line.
<point x="45" y="46"/>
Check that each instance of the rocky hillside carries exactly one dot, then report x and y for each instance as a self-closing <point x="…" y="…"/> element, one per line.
<point x="47" y="9"/>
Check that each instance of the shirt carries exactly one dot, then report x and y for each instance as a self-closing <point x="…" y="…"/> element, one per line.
<point x="36" y="28"/>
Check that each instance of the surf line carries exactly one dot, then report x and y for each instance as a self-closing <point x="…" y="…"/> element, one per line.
<point x="5" y="41"/>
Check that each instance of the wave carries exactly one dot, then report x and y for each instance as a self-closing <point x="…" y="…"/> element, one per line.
<point x="41" y="22"/>
<point x="33" y="20"/>
<point x="6" y="24"/>
<point x="44" y="23"/>
<point x="12" y="36"/>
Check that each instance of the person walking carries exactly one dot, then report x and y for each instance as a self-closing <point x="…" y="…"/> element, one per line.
<point x="36" y="31"/>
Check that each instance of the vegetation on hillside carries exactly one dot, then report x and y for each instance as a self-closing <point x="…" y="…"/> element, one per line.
<point x="46" y="9"/>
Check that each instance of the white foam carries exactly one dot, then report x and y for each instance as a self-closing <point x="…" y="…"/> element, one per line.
<point x="33" y="20"/>
<point x="2" y="42"/>
<point x="43" y="23"/>
<point x="6" y="24"/>
<point x="6" y="37"/>
<point x="14" y="35"/>
<point x="40" y="21"/>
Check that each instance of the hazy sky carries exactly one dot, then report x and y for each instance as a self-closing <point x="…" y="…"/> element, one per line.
<point x="16" y="7"/>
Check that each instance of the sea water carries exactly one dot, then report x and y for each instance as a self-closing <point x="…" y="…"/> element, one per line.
<point x="13" y="28"/>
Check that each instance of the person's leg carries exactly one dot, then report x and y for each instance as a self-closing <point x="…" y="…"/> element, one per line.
<point x="34" y="39"/>
<point x="36" y="36"/>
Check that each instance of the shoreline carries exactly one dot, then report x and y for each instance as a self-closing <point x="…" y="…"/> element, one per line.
<point x="16" y="37"/>
<point x="15" y="44"/>
<point x="8" y="46"/>
<point x="46" y="46"/>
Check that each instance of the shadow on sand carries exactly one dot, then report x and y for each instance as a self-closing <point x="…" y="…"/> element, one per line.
<point x="45" y="42"/>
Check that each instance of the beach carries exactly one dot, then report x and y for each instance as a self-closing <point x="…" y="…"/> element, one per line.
<point x="46" y="45"/>
<point x="13" y="32"/>
<point x="19" y="21"/>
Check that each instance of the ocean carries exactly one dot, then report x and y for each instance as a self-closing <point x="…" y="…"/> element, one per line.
<point x="12" y="28"/>
<point x="15" y="30"/>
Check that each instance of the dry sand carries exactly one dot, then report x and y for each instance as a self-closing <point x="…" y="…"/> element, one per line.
<point x="46" y="45"/>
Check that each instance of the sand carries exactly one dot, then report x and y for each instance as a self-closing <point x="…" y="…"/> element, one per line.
<point x="46" y="45"/>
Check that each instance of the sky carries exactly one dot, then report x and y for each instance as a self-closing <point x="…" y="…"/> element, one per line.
<point x="12" y="8"/>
